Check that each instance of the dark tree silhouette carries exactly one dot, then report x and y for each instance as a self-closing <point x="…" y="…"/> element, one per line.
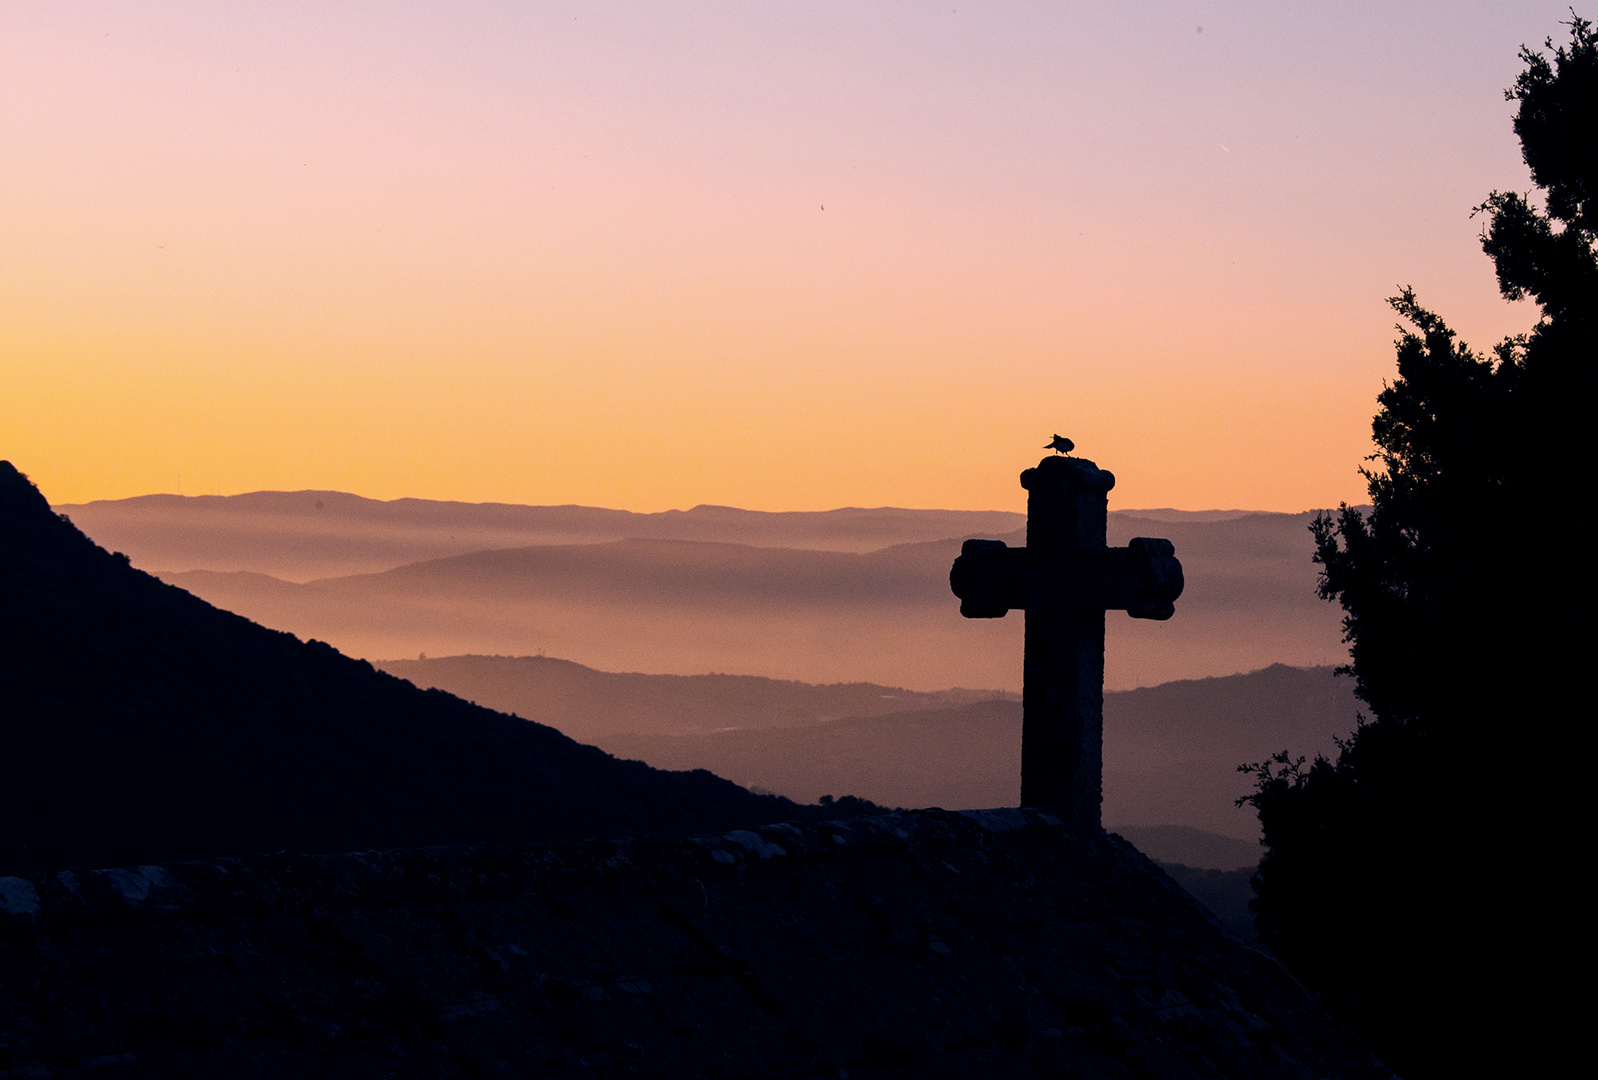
<point x="1416" y="880"/>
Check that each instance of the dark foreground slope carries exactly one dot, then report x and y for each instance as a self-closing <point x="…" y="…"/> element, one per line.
<point x="928" y="944"/>
<point x="138" y="724"/>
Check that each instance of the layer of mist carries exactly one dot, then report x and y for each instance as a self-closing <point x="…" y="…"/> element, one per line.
<point x="885" y="616"/>
<point x="303" y="535"/>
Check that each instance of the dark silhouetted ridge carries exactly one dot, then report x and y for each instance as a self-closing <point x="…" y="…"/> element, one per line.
<point x="142" y="724"/>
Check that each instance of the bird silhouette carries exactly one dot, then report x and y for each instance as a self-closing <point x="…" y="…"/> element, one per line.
<point x="1061" y="445"/>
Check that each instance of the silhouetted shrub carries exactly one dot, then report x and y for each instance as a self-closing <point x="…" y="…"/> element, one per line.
<point x="1468" y="609"/>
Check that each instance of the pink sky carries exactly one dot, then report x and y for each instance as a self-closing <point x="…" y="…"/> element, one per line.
<point x="557" y="252"/>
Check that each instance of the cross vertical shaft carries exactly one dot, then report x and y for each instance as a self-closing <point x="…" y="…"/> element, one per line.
<point x="1062" y="727"/>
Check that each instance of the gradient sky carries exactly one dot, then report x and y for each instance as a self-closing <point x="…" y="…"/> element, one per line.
<point x="577" y="252"/>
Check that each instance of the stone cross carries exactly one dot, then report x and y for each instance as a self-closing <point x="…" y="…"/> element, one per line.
<point x="1065" y="579"/>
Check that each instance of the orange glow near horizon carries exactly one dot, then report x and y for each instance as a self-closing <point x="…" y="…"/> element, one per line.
<point x="772" y="259"/>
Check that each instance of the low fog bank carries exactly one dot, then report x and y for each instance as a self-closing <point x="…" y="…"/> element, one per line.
<point x="885" y="616"/>
<point x="304" y="535"/>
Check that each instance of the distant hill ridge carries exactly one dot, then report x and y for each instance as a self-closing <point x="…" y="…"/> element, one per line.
<point x="310" y="534"/>
<point x="142" y="724"/>
<point x="588" y="704"/>
<point x="300" y="535"/>
<point x="1171" y="751"/>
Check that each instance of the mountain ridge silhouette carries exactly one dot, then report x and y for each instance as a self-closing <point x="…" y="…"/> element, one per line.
<point x="145" y="725"/>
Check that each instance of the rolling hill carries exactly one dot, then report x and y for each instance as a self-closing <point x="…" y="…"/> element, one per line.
<point x="590" y="705"/>
<point x="1171" y="751"/>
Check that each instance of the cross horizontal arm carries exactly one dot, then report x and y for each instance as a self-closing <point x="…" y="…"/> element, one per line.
<point x="1143" y="579"/>
<point x="990" y="577"/>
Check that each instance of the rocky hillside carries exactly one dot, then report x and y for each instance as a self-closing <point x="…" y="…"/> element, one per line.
<point x="931" y="944"/>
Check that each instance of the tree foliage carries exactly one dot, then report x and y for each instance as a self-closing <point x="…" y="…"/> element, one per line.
<point x="1468" y="607"/>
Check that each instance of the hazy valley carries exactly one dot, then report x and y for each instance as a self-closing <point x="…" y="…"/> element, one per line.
<point x="1170" y="751"/>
